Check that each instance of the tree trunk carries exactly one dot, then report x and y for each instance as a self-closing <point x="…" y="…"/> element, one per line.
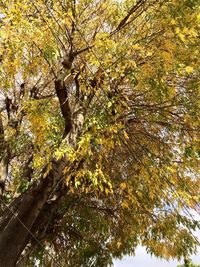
<point x="14" y="235"/>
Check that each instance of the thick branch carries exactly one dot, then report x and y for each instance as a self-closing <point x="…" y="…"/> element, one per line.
<point x="62" y="95"/>
<point x="4" y="157"/>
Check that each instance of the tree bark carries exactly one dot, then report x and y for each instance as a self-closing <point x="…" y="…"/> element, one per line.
<point x="14" y="235"/>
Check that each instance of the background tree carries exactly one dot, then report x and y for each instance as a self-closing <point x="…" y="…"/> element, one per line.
<point x="188" y="263"/>
<point x="99" y="130"/>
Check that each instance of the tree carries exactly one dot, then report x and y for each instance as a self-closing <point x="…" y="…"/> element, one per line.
<point x="188" y="263"/>
<point x="99" y="130"/>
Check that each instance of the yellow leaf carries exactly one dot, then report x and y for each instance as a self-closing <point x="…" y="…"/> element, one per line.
<point x="123" y="186"/>
<point x="189" y="69"/>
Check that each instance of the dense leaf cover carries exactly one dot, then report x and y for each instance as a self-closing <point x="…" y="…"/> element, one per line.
<point x="113" y="86"/>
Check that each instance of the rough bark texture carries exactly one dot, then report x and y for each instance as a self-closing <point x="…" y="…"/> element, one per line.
<point x="28" y="207"/>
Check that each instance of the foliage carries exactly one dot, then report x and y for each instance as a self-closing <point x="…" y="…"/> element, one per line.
<point x="188" y="263"/>
<point x="130" y="118"/>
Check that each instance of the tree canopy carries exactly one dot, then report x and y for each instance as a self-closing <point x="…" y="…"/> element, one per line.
<point x="99" y="130"/>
